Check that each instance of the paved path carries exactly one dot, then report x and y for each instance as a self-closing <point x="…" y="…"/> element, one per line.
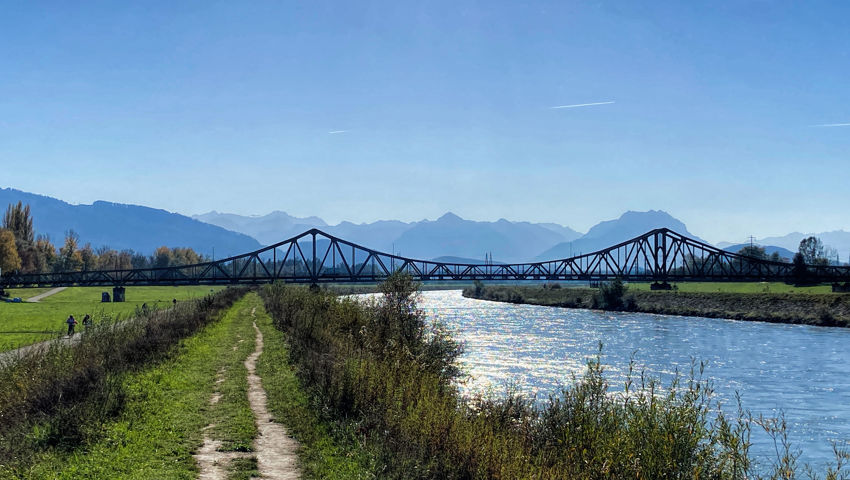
<point x="46" y="294"/>
<point x="38" y="347"/>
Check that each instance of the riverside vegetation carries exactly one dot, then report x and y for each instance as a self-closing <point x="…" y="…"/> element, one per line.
<point x="822" y="309"/>
<point x="379" y="373"/>
<point x="369" y="389"/>
<point x="58" y="399"/>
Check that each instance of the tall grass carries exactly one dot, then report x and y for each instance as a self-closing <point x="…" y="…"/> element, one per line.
<point x="58" y="396"/>
<point x="385" y="372"/>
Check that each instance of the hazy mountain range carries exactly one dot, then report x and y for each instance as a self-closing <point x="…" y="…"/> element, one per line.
<point x="836" y="239"/>
<point x="768" y="249"/>
<point x="450" y="236"/>
<point x="604" y="234"/>
<point x="122" y="226"/>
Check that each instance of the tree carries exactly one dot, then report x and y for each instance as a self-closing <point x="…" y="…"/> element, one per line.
<point x="88" y="257"/>
<point x="830" y="256"/>
<point x="18" y="220"/>
<point x="799" y="270"/>
<point x="9" y="259"/>
<point x="137" y="260"/>
<point x="811" y="249"/>
<point x="753" y="251"/>
<point x="70" y="258"/>
<point x="45" y="254"/>
<point x="162" y="257"/>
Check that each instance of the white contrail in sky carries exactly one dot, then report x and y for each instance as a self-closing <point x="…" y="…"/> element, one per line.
<point x="582" y="105"/>
<point x="833" y="125"/>
<point x="333" y="132"/>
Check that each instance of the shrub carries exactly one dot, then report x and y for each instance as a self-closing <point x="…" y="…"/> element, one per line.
<point x="478" y="287"/>
<point x="382" y="370"/>
<point x="610" y="295"/>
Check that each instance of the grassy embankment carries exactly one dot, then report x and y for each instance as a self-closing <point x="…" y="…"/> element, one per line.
<point x="164" y="410"/>
<point x="737" y="287"/>
<point x="56" y="405"/>
<point x="381" y="373"/>
<point x="784" y="304"/>
<point x="26" y="323"/>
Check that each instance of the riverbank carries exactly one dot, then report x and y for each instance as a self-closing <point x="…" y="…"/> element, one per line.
<point x="383" y="375"/>
<point x="820" y="309"/>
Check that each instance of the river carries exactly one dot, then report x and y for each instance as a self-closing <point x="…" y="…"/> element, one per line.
<point x="799" y="370"/>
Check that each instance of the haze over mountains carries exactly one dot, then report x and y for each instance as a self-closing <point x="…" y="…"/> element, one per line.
<point x="604" y="234"/>
<point x="787" y="245"/>
<point x="768" y="250"/>
<point x="448" y="235"/>
<point x="120" y="226"/>
<point x="143" y="229"/>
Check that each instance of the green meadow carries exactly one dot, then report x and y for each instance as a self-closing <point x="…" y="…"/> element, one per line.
<point x="738" y="287"/>
<point x="26" y="323"/>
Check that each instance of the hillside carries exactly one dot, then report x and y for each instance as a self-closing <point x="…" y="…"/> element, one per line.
<point x="768" y="249"/>
<point x="120" y="226"/>
<point x="837" y="239"/>
<point x="449" y="235"/>
<point x="266" y="229"/>
<point x="610" y="232"/>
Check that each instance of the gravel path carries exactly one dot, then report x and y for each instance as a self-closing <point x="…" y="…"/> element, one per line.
<point x="46" y="294"/>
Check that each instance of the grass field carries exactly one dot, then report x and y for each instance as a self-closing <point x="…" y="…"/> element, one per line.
<point x="738" y="287"/>
<point x="167" y="407"/>
<point x="27" y="293"/>
<point x="27" y="323"/>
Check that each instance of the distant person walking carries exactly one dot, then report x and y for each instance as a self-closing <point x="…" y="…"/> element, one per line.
<point x="87" y="322"/>
<point x="72" y="322"/>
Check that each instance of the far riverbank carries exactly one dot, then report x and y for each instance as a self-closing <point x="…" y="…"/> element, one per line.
<point x="820" y="309"/>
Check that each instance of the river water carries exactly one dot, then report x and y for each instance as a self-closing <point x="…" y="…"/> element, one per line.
<point x="799" y="370"/>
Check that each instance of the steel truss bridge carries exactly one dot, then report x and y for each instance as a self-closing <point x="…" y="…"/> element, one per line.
<point x="316" y="257"/>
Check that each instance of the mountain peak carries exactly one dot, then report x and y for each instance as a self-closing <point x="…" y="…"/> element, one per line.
<point x="449" y="217"/>
<point x="610" y="232"/>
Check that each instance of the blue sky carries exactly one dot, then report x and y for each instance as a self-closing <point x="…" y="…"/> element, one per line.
<point x="446" y="106"/>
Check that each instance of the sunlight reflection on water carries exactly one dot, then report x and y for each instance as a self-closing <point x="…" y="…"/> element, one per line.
<point x="800" y="370"/>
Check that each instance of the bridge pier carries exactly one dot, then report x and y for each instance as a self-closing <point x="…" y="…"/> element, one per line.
<point x="117" y="294"/>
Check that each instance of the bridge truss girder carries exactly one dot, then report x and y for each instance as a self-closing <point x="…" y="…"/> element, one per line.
<point x="317" y="257"/>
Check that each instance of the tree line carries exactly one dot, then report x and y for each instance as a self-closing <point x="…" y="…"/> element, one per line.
<point x="23" y="251"/>
<point x="811" y="251"/>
